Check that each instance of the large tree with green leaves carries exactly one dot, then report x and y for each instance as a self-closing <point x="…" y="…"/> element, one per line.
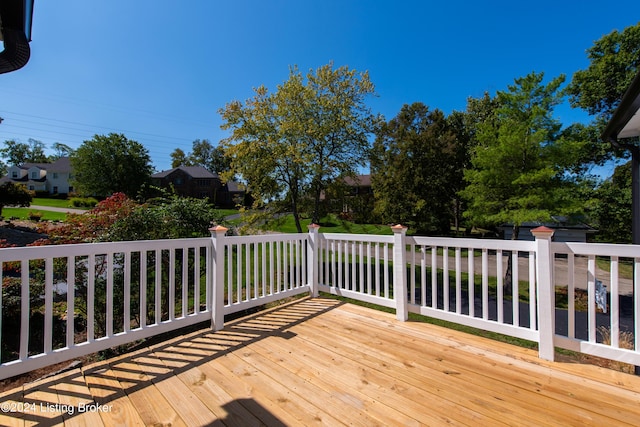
<point x="109" y="164"/>
<point x="18" y="153"/>
<point x="293" y="142"/>
<point x="518" y="171"/>
<point x="612" y="207"/>
<point x="415" y="163"/>
<point x="614" y="60"/>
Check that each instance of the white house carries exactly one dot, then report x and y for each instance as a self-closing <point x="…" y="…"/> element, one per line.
<point x="50" y="177"/>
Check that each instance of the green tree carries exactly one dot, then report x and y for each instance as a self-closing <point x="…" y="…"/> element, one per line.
<point x="60" y="150"/>
<point x="12" y="194"/>
<point x="109" y="164"/>
<point x="612" y="209"/>
<point x="614" y="61"/>
<point x="296" y="141"/>
<point x="204" y="154"/>
<point x="179" y="158"/>
<point x="18" y="153"/>
<point x="518" y="172"/>
<point x="415" y="165"/>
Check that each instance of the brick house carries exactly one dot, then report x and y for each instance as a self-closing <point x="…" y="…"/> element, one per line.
<point x="200" y="183"/>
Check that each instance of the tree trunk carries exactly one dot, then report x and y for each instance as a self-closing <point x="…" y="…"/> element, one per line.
<point x="317" y="191"/>
<point x="508" y="277"/>
<point x="315" y="217"/>
<point x="296" y="215"/>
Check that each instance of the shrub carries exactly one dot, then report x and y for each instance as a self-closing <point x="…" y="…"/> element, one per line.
<point x="34" y="216"/>
<point x="83" y="202"/>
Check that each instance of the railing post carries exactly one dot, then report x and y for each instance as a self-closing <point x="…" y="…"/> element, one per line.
<point x="546" y="293"/>
<point x="217" y="287"/>
<point x="399" y="271"/>
<point x="312" y="259"/>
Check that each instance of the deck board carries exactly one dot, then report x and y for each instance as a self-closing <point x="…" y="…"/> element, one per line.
<point x="324" y="362"/>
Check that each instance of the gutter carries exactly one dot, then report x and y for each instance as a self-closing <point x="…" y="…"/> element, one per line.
<point x="628" y="108"/>
<point x="15" y="30"/>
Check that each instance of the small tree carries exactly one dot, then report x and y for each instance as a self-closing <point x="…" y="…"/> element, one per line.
<point x="12" y="194"/>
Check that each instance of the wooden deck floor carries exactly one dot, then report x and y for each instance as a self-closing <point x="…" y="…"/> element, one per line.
<point x="323" y="362"/>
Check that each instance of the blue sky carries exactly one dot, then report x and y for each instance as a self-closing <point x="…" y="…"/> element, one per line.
<point x="159" y="71"/>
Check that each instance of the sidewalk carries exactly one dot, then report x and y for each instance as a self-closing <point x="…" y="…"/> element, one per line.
<point x="54" y="209"/>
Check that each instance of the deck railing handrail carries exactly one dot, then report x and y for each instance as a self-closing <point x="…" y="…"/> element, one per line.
<point x="118" y="292"/>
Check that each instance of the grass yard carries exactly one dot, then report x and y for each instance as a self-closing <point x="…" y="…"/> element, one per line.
<point x="329" y="224"/>
<point x="23" y="214"/>
<point x="46" y="201"/>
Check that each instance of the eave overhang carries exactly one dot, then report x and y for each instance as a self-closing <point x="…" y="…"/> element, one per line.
<point x="625" y="122"/>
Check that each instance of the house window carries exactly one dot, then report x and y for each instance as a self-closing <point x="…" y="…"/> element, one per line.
<point x="178" y="181"/>
<point x="55" y="189"/>
<point x="34" y="175"/>
<point x="55" y="175"/>
<point x="14" y="174"/>
<point x="32" y="188"/>
<point x="70" y="189"/>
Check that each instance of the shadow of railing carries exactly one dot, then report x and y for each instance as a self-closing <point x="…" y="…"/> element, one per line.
<point x="150" y="375"/>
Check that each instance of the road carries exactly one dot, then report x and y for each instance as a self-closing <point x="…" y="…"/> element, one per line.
<point x="625" y="286"/>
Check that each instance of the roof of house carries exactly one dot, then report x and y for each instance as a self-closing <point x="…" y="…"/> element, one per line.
<point x="234" y="186"/>
<point x="26" y="166"/>
<point x="556" y="224"/>
<point x="193" y="171"/>
<point x="358" y="181"/>
<point x="63" y="164"/>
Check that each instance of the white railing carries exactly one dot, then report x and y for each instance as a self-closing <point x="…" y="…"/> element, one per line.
<point x="602" y="284"/>
<point x="110" y="294"/>
<point x="464" y="281"/>
<point x="67" y="301"/>
<point x="356" y="266"/>
<point x="257" y="270"/>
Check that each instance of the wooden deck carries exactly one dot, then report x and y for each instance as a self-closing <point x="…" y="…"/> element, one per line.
<point x="323" y="362"/>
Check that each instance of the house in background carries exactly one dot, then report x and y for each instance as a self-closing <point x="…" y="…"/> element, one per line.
<point x="52" y="178"/>
<point x="200" y="183"/>
<point x="564" y="230"/>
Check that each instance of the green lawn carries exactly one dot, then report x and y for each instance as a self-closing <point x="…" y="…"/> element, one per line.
<point x="45" y="201"/>
<point x="227" y="212"/>
<point x="328" y="224"/>
<point x="23" y="213"/>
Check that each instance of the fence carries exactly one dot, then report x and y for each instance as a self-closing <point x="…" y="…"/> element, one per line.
<point x="62" y="302"/>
